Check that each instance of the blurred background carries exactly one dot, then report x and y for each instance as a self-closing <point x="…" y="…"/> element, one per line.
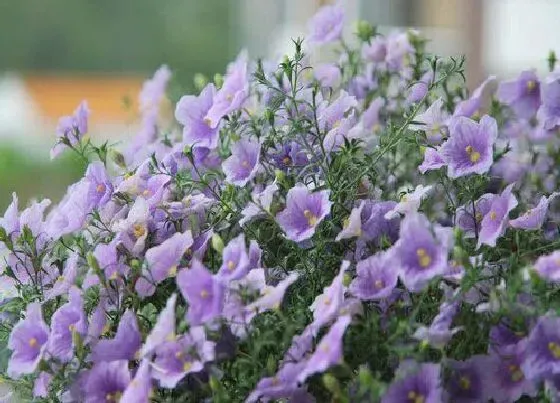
<point x="54" y="53"/>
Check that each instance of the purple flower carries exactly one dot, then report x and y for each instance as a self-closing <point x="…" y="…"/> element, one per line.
<point x="203" y="292"/>
<point x="326" y="306"/>
<point x="329" y="351"/>
<point x="106" y="382"/>
<point x="71" y="129"/>
<point x="468" y="220"/>
<point x="494" y="223"/>
<point x="479" y="99"/>
<point x="467" y="381"/>
<point x="139" y="389"/>
<point x="125" y="344"/>
<point x="508" y="380"/>
<point x="100" y="186"/>
<point x="419" y="89"/>
<point x="235" y="261"/>
<point x="548" y="267"/>
<point x="352" y="226"/>
<point x="374" y="223"/>
<point x="399" y="51"/>
<point x="163" y="330"/>
<point x="523" y="94"/>
<point x="260" y="204"/>
<point x="163" y="260"/>
<point x="243" y="163"/>
<point x="533" y="219"/>
<point x="271" y="297"/>
<point x="304" y="211"/>
<point x="420" y="254"/>
<point x="233" y="93"/>
<point x="282" y="385"/>
<point x="133" y="230"/>
<point x="175" y="359"/>
<point x="438" y="334"/>
<point x="289" y="155"/>
<point x="190" y="112"/>
<point x="41" y="385"/>
<point x="422" y="386"/>
<point x="542" y="354"/>
<point x="330" y="115"/>
<point x="549" y="112"/>
<point x="469" y="148"/>
<point x="432" y="160"/>
<point x="69" y="319"/>
<point x="66" y="280"/>
<point x="108" y="260"/>
<point x="433" y="122"/>
<point x="375" y="50"/>
<point x="376" y="278"/>
<point x="28" y="342"/>
<point x="328" y="74"/>
<point x="326" y="25"/>
<point x="10" y="221"/>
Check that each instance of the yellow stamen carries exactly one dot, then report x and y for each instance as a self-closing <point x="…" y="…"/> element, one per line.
<point x="114" y="276"/>
<point x="379" y="284"/>
<point x="493" y="215"/>
<point x="464" y="383"/>
<point x="100" y="188"/>
<point x="170" y="337"/>
<point x="311" y="218"/>
<point x="60" y="278"/>
<point x="474" y="156"/>
<point x="139" y="230"/>
<point x="531" y="85"/>
<point x="146" y="192"/>
<point x="187" y="366"/>
<point x="229" y="97"/>
<point x="173" y="271"/>
<point x="478" y="216"/>
<point x="178" y="354"/>
<point x="113" y="397"/>
<point x="423" y="258"/>
<point x="287" y="161"/>
<point x="230" y="265"/>
<point x="245" y="164"/>
<point x="325" y="347"/>
<point x="105" y="329"/>
<point x="516" y="373"/>
<point x="72" y="327"/>
<point x="32" y="342"/>
<point x="404" y="198"/>
<point x="415" y="397"/>
<point x="208" y="121"/>
<point x="327" y="301"/>
<point x="554" y="349"/>
<point x="204" y="294"/>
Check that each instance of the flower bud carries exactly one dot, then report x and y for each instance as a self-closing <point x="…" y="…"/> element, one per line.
<point x="117" y="158"/>
<point x="364" y="30"/>
<point x="217" y="243"/>
<point x="331" y="384"/>
<point x="200" y="81"/>
<point x="218" y="80"/>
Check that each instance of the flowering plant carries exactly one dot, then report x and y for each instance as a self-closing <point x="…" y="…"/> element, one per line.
<point x="357" y="230"/>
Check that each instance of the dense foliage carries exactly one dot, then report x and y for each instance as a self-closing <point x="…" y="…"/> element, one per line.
<point x="357" y="230"/>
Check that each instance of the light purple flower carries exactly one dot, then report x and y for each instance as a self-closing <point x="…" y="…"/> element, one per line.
<point x="327" y="74"/>
<point x="282" y="385"/>
<point x="304" y="211"/>
<point x="479" y="100"/>
<point x="420" y="254"/>
<point x="243" y="163"/>
<point x="542" y="354"/>
<point x="326" y="25"/>
<point x="163" y="330"/>
<point x="438" y="334"/>
<point x="494" y="223"/>
<point x="125" y="344"/>
<point x="469" y="148"/>
<point x="522" y="94"/>
<point x="139" y="389"/>
<point x="399" y="51"/>
<point x="70" y="318"/>
<point x="423" y="385"/>
<point x="106" y="382"/>
<point x="190" y="112"/>
<point x="419" y="89"/>
<point x="533" y="219"/>
<point x="548" y="266"/>
<point x="374" y="223"/>
<point x="410" y="202"/>
<point x="235" y="261"/>
<point x="271" y="297"/>
<point x="100" y="186"/>
<point x="433" y="121"/>
<point x="376" y="278"/>
<point x="162" y="261"/>
<point x="329" y="351"/>
<point x="432" y="160"/>
<point x="10" y="221"/>
<point x="352" y="226"/>
<point x="41" y="385"/>
<point x="375" y="50"/>
<point x="470" y="221"/>
<point x="28" y="342"/>
<point x="468" y="380"/>
<point x="330" y="115"/>
<point x="549" y="112"/>
<point x="175" y="359"/>
<point x="326" y="306"/>
<point x="71" y="129"/>
<point x="203" y="292"/>
<point x="260" y="204"/>
<point x="133" y="230"/>
<point x="233" y="93"/>
<point x="66" y="280"/>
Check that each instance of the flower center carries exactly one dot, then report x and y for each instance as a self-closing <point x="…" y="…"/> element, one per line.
<point x="113" y="396"/>
<point x="474" y="155"/>
<point x="187" y="366"/>
<point x="245" y="164"/>
<point x="325" y="347"/>
<point x="516" y="373"/>
<point x="464" y="383"/>
<point x="100" y="188"/>
<point x="230" y="265"/>
<point x="287" y="161"/>
<point x="204" y="294"/>
<point x="60" y="278"/>
<point x="172" y="271"/>
<point x="311" y="218"/>
<point x="146" y="192"/>
<point x="493" y="215"/>
<point x="424" y="259"/>
<point x="379" y="284"/>
<point x="72" y="327"/>
<point x="208" y="121"/>
<point x="32" y="342"/>
<point x="531" y="85"/>
<point x="554" y="349"/>
<point x="415" y="397"/>
<point x="139" y="230"/>
<point x="478" y="216"/>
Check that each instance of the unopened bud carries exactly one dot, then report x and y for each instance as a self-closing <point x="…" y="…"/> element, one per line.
<point x="217" y="243"/>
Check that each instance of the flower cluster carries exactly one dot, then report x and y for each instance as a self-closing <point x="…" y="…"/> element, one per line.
<point x="353" y="229"/>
